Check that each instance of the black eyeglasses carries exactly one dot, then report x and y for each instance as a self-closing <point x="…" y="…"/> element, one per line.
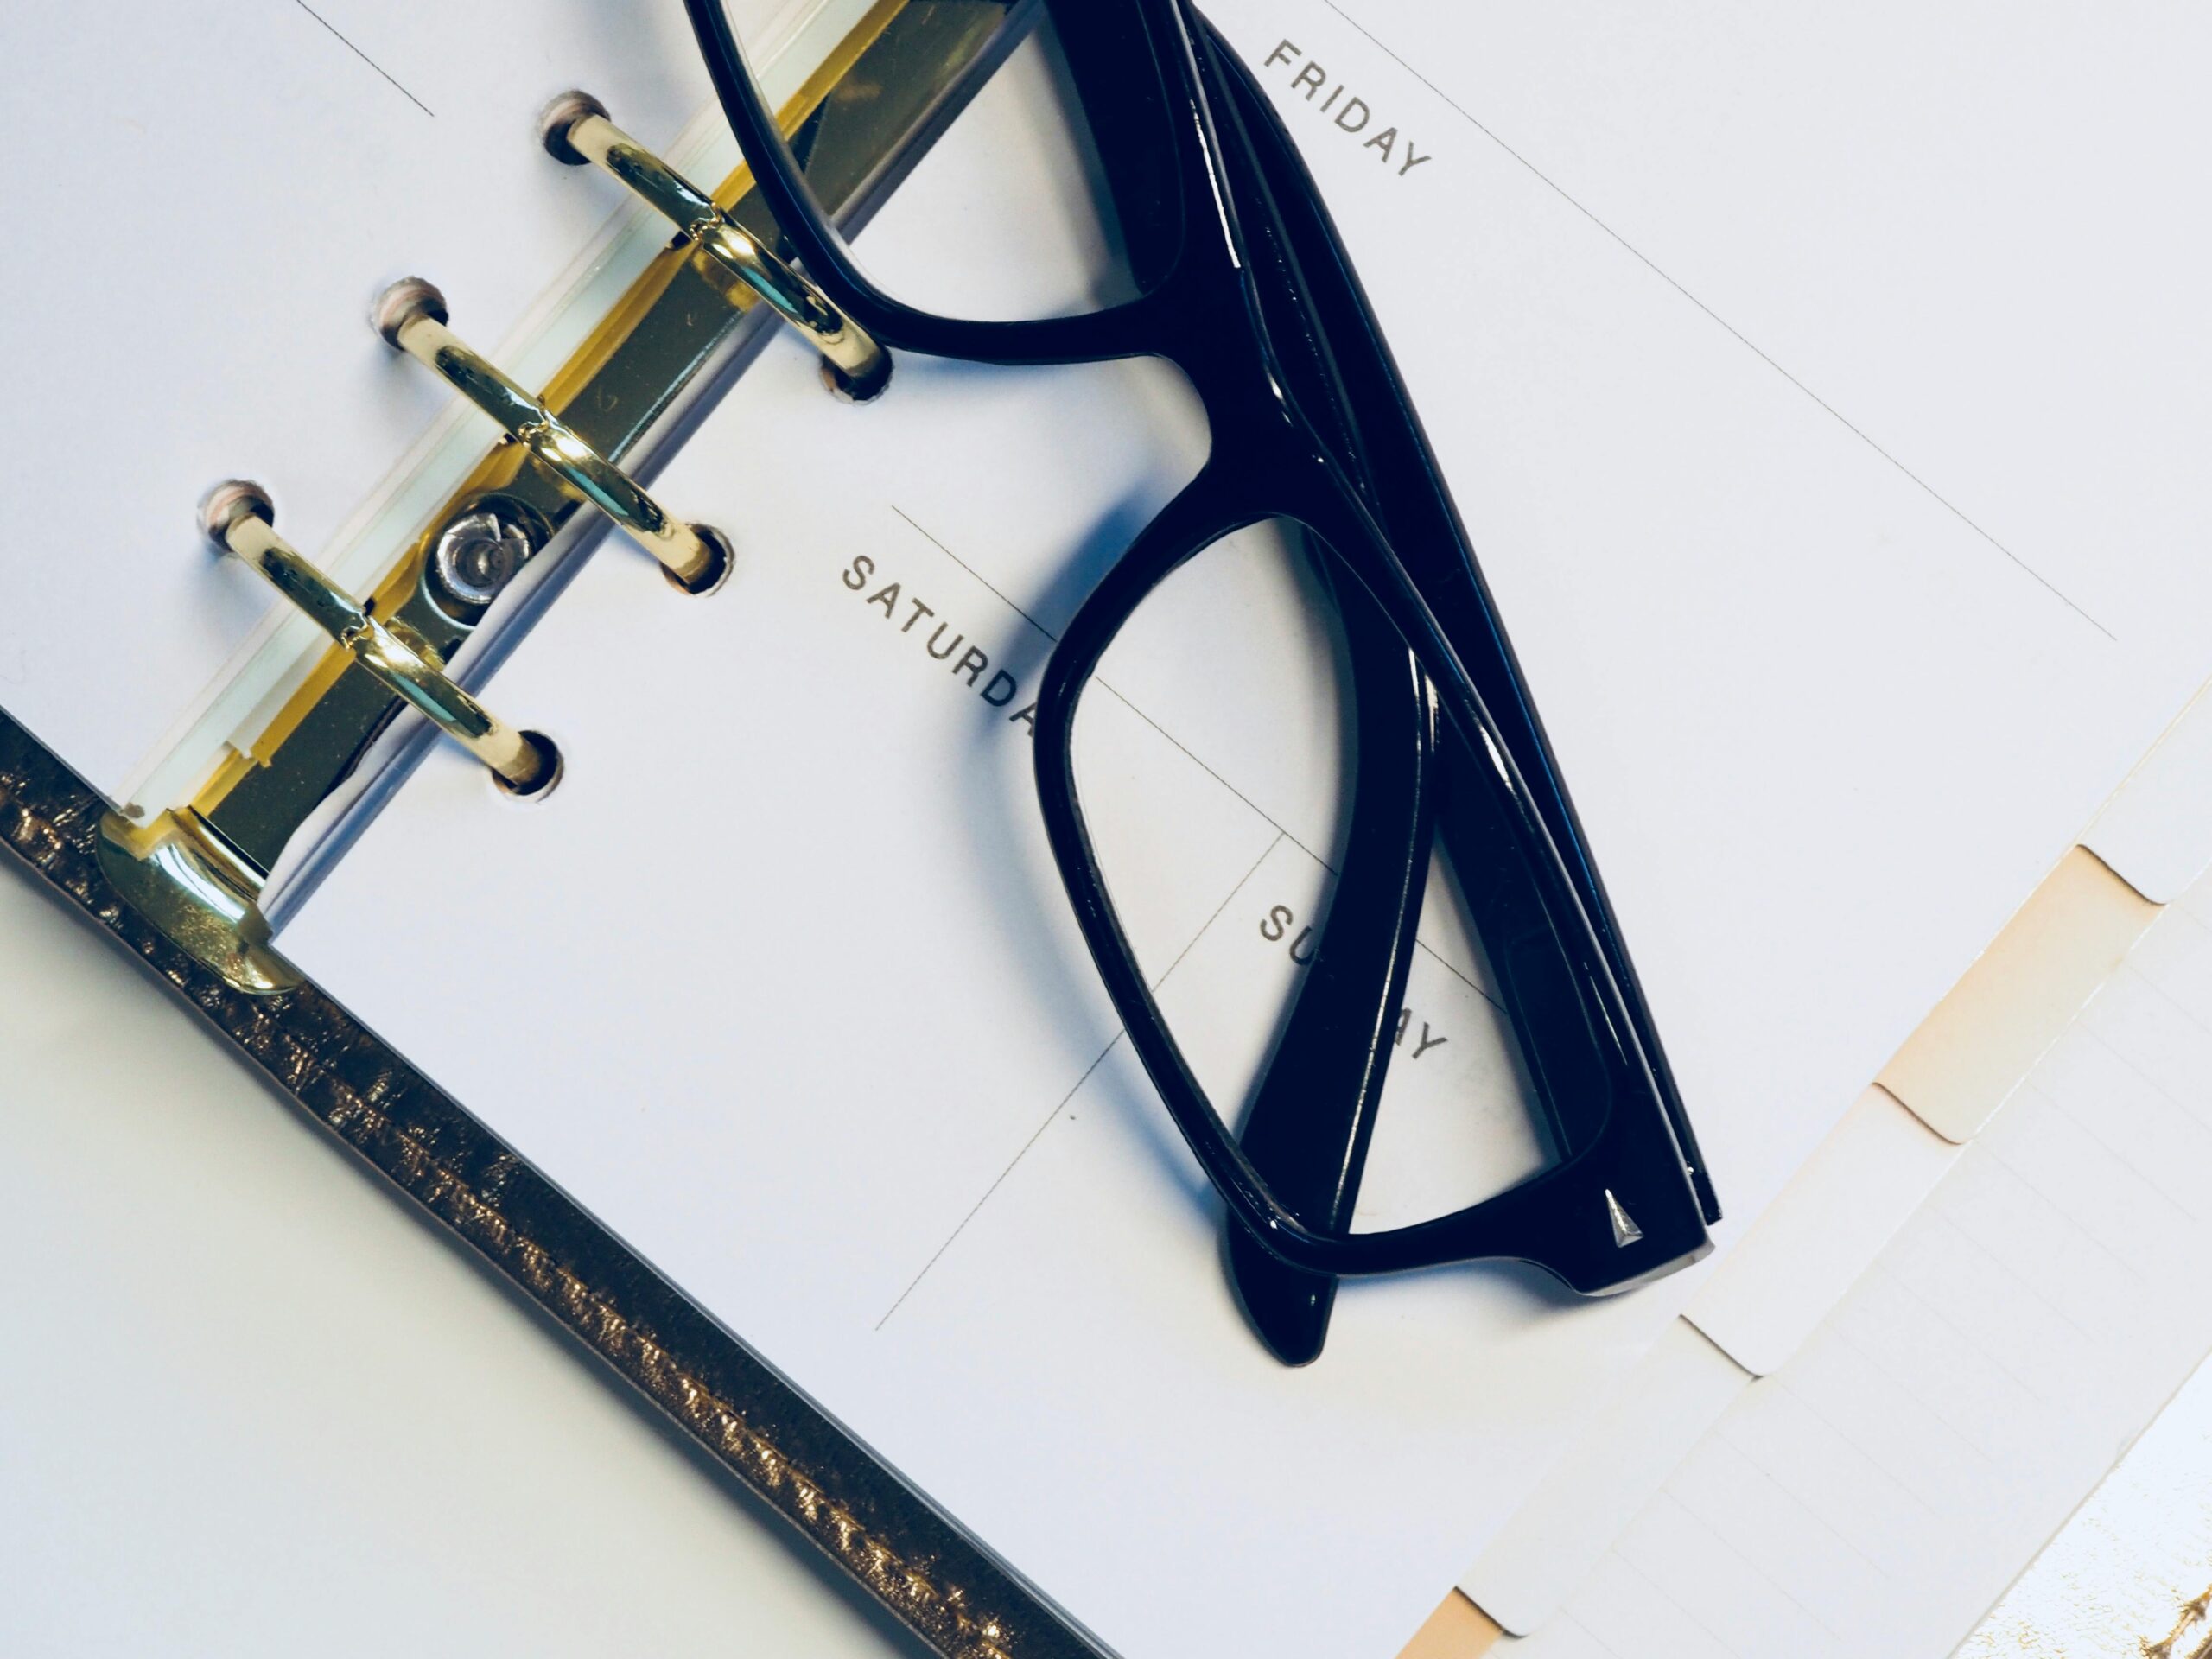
<point x="1233" y="272"/>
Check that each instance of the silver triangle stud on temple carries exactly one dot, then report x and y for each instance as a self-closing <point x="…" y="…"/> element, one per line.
<point x="1626" y="1231"/>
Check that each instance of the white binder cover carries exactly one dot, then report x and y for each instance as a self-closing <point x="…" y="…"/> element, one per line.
<point x="1825" y="738"/>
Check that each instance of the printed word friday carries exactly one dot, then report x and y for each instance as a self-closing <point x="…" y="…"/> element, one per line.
<point x="1351" y="116"/>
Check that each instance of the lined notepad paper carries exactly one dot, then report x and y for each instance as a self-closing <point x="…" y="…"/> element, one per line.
<point x="2131" y="1562"/>
<point x="1878" y="1492"/>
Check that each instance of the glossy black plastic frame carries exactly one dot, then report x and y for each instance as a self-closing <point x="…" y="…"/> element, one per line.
<point x="1250" y="293"/>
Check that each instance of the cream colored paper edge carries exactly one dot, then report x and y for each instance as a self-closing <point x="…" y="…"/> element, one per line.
<point x="1990" y="1027"/>
<point x="1962" y="1062"/>
<point x="1457" y="1630"/>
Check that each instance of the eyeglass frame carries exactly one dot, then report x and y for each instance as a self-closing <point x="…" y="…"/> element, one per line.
<point x="1632" y="1200"/>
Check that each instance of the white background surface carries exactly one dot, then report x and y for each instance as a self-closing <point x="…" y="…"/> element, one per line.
<point x="250" y="1404"/>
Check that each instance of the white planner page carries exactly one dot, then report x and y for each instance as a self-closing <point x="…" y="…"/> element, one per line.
<point x="205" y="198"/>
<point x="781" y="983"/>
<point x="1879" y="1491"/>
<point x="1961" y="228"/>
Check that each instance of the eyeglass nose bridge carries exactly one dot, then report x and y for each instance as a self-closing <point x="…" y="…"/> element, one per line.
<point x="578" y="132"/>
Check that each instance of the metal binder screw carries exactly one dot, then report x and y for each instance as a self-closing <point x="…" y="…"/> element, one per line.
<point x="239" y="518"/>
<point x="577" y="132"/>
<point x="411" y="316"/>
<point x="479" y="553"/>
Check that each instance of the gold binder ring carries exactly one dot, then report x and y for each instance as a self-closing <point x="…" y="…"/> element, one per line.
<point x="411" y="315"/>
<point x="239" y="519"/>
<point x="576" y="131"/>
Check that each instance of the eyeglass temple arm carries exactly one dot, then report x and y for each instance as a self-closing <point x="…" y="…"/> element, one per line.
<point x="1309" y="1124"/>
<point x="1308" y="1127"/>
<point x="1417" y="509"/>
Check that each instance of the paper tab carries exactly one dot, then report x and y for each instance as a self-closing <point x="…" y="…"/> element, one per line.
<point x="1622" y="1459"/>
<point x="1877" y="1493"/>
<point x="1771" y="1290"/>
<point x="2156" y="832"/>
<point x="1993" y="1026"/>
<point x="1457" y="1630"/>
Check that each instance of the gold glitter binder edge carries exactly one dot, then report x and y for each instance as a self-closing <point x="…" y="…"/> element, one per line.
<point x="468" y="1182"/>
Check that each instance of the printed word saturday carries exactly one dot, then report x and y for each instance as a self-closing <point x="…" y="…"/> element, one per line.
<point x="966" y="663"/>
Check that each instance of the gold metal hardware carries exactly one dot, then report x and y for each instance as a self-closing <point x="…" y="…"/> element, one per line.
<point x="197" y="868"/>
<point x="199" y="893"/>
<point x="411" y="315"/>
<point x="239" y="519"/>
<point x="888" y="82"/>
<point x="578" y="132"/>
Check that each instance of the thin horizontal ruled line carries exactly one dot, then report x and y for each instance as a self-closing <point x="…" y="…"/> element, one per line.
<point x="365" y="58"/>
<point x="1053" y="638"/>
<point x="1264" y="815"/>
<point x="1730" y="329"/>
<point x="1000" y="1179"/>
<point x="1061" y="1105"/>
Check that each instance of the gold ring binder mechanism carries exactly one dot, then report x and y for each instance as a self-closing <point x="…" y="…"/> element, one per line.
<point x="197" y="868"/>
<point x="411" y="316"/>
<point x="240" y="519"/>
<point x="578" y="132"/>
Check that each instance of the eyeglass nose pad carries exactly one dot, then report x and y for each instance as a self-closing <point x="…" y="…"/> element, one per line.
<point x="577" y="132"/>
<point x="411" y="317"/>
<point x="239" y="519"/>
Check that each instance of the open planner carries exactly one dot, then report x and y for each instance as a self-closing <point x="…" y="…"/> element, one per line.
<point x="1825" y="398"/>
